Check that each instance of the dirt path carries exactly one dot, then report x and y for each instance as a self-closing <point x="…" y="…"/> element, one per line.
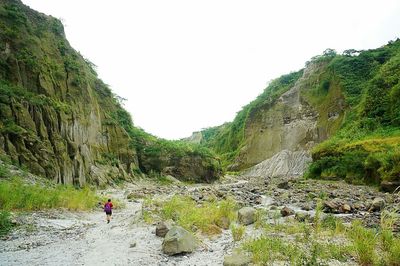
<point x="66" y="238"/>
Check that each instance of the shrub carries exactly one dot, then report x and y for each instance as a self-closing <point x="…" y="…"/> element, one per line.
<point x="16" y="195"/>
<point x="5" y="222"/>
<point x="207" y="217"/>
<point x="237" y="231"/>
<point x="364" y="241"/>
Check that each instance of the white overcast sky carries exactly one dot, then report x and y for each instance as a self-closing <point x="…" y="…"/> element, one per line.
<point x="185" y="65"/>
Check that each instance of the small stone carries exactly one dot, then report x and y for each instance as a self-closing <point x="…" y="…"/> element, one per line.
<point x="302" y="216"/>
<point x="346" y="208"/>
<point x="162" y="229"/>
<point x="246" y="215"/>
<point x="283" y="185"/>
<point x="286" y="211"/>
<point x="377" y="204"/>
<point x="132" y="245"/>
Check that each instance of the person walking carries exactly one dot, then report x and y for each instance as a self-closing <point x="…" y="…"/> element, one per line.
<point x="108" y="210"/>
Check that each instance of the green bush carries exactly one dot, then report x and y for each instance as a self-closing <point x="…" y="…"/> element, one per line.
<point x="364" y="241"/>
<point x="208" y="217"/>
<point x="16" y="195"/>
<point x="5" y="222"/>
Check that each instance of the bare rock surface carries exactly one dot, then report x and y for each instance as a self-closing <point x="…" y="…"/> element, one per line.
<point x="284" y="163"/>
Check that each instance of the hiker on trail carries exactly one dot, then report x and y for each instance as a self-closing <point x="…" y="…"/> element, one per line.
<point x="108" y="209"/>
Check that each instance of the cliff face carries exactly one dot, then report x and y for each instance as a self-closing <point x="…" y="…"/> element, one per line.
<point x="55" y="113"/>
<point x="294" y="122"/>
<point x="57" y="118"/>
<point x="339" y="118"/>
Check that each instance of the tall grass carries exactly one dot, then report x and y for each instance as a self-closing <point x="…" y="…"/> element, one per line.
<point x="17" y="195"/>
<point x="238" y="231"/>
<point x="209" y="217"/>
<point x="364" y="242"/>
<point x="5" y="222"/>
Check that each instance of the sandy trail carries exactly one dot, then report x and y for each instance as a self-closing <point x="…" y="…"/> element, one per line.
<point x="85" y="238"/>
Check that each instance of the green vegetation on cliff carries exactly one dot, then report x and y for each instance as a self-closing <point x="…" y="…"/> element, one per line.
<point x="366" y="149"/>
<point x="59" y="120"/>
<point x="352" y="98"/>
<point x="230" y="137"/>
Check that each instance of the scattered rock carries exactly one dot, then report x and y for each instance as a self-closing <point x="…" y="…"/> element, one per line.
<point x="302" y="216"/>
<point x="135" y="195"/>
<point x="246" y="215"/>
<point x="286" y="211"/>
<point x="172" y="179"/>
<point x="333" y="206"/>
<point x="377" y="204"/>
<point x="283" y="185"/>
<point x="162" y="228"/>
<point x="306" y="207"/>
<point x="390" y="186"/>
<point x="346" y="208"/>
<point x="237" y="259"/>
<point x="177" y="241"/>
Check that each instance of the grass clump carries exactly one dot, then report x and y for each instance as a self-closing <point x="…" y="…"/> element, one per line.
<point x="5" y="222"/>
<point x="17" y="195"/>
<point x="238" y="231"/>
<point x="364" y="241"/>
<point x="269" y="249"/>
<point x="208" y="218"/>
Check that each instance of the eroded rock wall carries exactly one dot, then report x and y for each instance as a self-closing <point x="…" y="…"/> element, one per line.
<point x="55" y="114"/>
<point x="275" y="135"/>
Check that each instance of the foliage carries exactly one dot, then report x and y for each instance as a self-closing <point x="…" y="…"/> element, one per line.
<point x="366" y="149"/>
<point x="5" y="222"/>
<point x="9" y="92"/>
<point x="227" y="139"/>
<point x="364" y="241"/>
<point x="17" y="195"/>
<point x="298" y="243"/>
<point x="238" y="231"/>
<point x="207" y="218"/>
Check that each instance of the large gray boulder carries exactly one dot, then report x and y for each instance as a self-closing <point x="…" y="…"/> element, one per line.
<point x="247" y="215"/>
<point x="178" y="240"/>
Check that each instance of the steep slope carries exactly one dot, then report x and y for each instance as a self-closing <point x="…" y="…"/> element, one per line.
<point x="348" y="103"/>
<point x="58" y="119"/>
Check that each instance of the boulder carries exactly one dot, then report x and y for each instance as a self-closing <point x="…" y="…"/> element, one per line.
<point x="247" y="215"/>
<point x="333" y="206"/>
<point x="237" y="259"/>
<point x="346" y="208"/>
<point x="390" y="186"/>
<point x="178" y="240"/>
<point x="286" y="211"/>
<point x="172" y="179"/>
<point x="377" y="204"/>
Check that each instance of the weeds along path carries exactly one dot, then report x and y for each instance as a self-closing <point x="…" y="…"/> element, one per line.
<point x="83" y="238"/>
<point x="60" y="237"/>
